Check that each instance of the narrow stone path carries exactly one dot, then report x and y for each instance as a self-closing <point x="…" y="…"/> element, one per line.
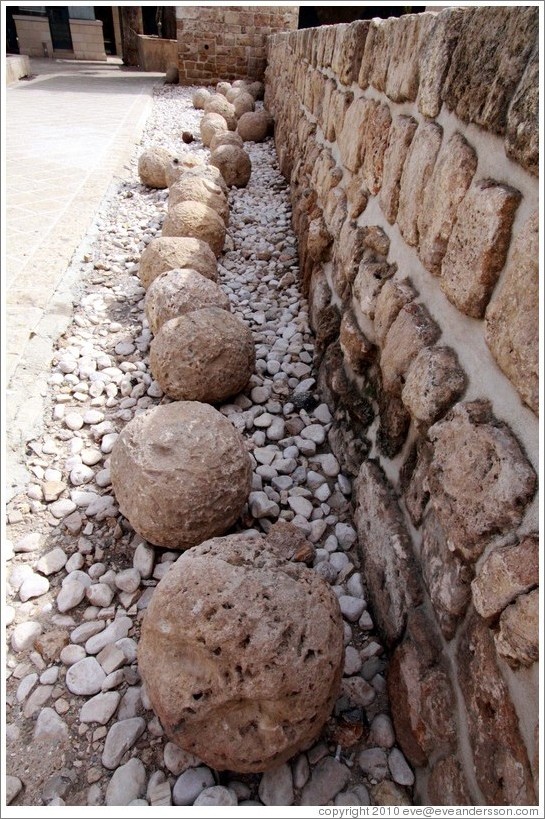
<point x="80" y="730"/>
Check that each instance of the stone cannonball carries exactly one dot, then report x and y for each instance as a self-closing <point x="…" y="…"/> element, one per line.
<point x="226" y="138"/>
<point x="199" y="189"/>
<point x="176" y="292"/>
<point x="198" y="220"/>
<point x="178" y="165"/>
<point x="180" y="473"/>
<point x="201" y="97"/>
<point x="234" y="163"/>
<point x="218" y="104"/>
<point x="169" y="252"/>
<point x="253" y="126"/>
<point x="242" y="654"/>
<point x="210" y="125"/>
<point x="152" y="167"/>
<point x="205" y="355"/>
<point x="223" y="87"/>
<point x="234" y="91"/>
<point x="209" y="172"/>
<point x="241" y="84"/>
<point x="243" y="104"/>
<point x="257" y="90"/>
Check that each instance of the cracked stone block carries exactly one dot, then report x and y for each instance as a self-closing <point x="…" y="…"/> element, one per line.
<point x="501" y="765"/>
<point x="374" y="142"/>
<point x="447" y="784"/>
<point x="405" y="43"/>
<point x="512" y="317"/>
<point x="412" y="330"/>
<point x="417" y="170"/>
<point x="372" y="276"/>
<point x="400" y="137"/>
<point x="480" y="480"/>
<point x="339" y="105"/>
<point x="357" y="195"/>
<point x="478" y="245"/>
<point x="518" y="637"/>
<point x="505" y="573"/>
<point x="434" y="60"/>
<point x="376" y="54"/>
<point x="336" y="57"/>
<point x="386" y="550"/>
<point x="352" y="48"/>
<point x="413" y="480"/>
<point x="522" y="138"/>
<point x="358" y="351"/>
<point x="393" y="296"/>
<point x="349" y="140"/>
<point x="434" y="382"/>
<point x="446" y="188"/>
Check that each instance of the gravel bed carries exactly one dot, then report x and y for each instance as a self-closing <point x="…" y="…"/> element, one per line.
<point x="79" y="727"/>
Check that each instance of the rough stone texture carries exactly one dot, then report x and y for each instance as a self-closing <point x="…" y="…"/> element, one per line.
<point x="478" y="245"/>
<point x="412" y="330"/>
<point x="351" y="52"/>
<point x="421" y="694"/>
<point x="360" y="254"/>
<point x="197" y="221"/>
<point x="446" y="188"/>
<point x="180" y="473"/>
<point x="400" y="137"/>
<point x="218" y="104"/>
<point x="446" y="577"/>
<point x="349" y="139"/>
<point x="376" y="55"/>
<point x="169" y="252"/>
<point x="434" y="61"/>
<point x="413" y="480"/>
<point x="204" y="355"/>
<point x="199" y="189"/>
<point x="416" y="173"/>
<point x="152" y="167"/>
<point x="488" y="62"/>
<point x="225" y="138"/>
<point x="447" y="784"/>
<point x="386" y="551"/>
<point x="200" y="97"/>
<point x="253" y="126"/>
<point x="319" y="239"/>
<point x="505" y="573"/>
<point x="512" y="317"/>
<point x="243" y="104"/>
<point x="176" y="292"/>
<point x="522" y="138"/>
<point x="328" y="778"/>
<point x="479" y="479"/>
<point x="212" y="124"/>
<point x="234" y="165"/>
<point x="358" y="352"/>
<point x="518" y="637"/>
<point x="391" y="298"/>
<point x="253" y="674"/>
<point x="371" y="278"/>
<point x="375" y="141"/>
<point x="178" y="166"/>
<point x="499" y="756"/>
<point x="434" y="381"/>
<point x="404" y="47"/>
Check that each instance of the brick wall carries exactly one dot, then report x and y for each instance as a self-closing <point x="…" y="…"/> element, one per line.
<point x="411" y="146"/>
<point x="227" y="42"/>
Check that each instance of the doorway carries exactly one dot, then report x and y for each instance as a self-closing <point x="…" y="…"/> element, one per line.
<point x="59" y="25"/>
<point x="104" y="13"/>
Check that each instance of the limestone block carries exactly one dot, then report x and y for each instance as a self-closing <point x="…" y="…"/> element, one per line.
<point x="488" y="63"/>
<point x="234" y="164"/>
<point x="253" y="126"/>
<point x="204" y="355"/>
<point x="512" y="317"/>
<point x="506" y="573"/>
<point x="199" y="189"/>
<point x="371" y="277"/>
<point x="412" y="330"/>
<point x="446" y="577"/>
<point x="447" y="784"/>
<point x="433" y="383"/>
<point x="353" y="247"/>
<point x="243" y="104"/>
<point x="374" y="143"/>
<point x="324" y="173"/>
<point x="500" y="760"/>
<point x="434" y="60"/>
<point x="414" y="178"/>
<point x="226" y="138"/>
<point x="338" y="48"/>
<point x="176" y="292"/>
<point x="212" y="124"/>
<point x="201" y="97"/>
<point x="518" y="638"/>
<point x="349" y="140"/>
<point x="451" y="177"/>
<point x="324" y="317"/>
<point x="414" y="480"/>
<point x="351" y="51"/>
<point x="407" y="37"/>
<point x="318" y="83"/>
<point x="376" y="54"/>
<point x="394" y="423"/>
<point x="478" y="245"/>
<point x="180" y="473"/>
<point x="253" y="674"/>
<point x="390" y="299"/>
<point x="326" y="123"/>
<point x="335" y="209"/>
<point x="218" y="104"/>
<point x="400" y="137"/>
<point x="198" y="221"/>
<point x="319" y="240"/>
<point x="480" y="481"/>
<point x="358" y="351"/>
<point x="339" y="104"/>
<point x="169" y="252"/>
<point x="386" y="550"/>
<point x="522" y="138"/>
<point x="152" y="167"/>
<point x="421" y="694"/>
<point x="357" y="195"/>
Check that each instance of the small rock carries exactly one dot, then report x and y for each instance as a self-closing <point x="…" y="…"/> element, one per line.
<point x="100" y="708"/>
<point x="85" y="677"/>
<point x="13" y="788"/>
<point x="276" y="786"/>
<point x="327" y="779"/>
<point x="374" y="763"/>
<point x="121" y="737"/>
<point x="24" y="635"/>
<point x="190" y="784"/>
<point x="399" y="768"/>
<point x="216" y="795"/>
<point x="127" y="783"/>
<point x="52" y="562"/>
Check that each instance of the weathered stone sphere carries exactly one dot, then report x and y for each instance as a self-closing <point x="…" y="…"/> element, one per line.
<point x="180" y="473"/>
<point x="257" y="90"/>
<point x="223" y="87"/>
<point x="197" y="220"/>
<point x="169" y="252"/>
<point x="201" y="97"/>
<point x="218" y="104"/>
<point x="210" y="125"/>
<point x="243" y="104"/>
<point x="178" y="165"/>
<point x="241" y="653"/>
<point x="172" y="75"/>
<point x="234" y="91"/>
<point x="152" y="167"/>
<point x="226" y="138"/>
<point x="234" y="163"/>
<point x="208" y="172"/>
<point x="205" y="355"/>
<point x="199" y="189"/>
<point x="176" y="292"/>
<point x="253" y="126"/>
<point x="240" y="84"/>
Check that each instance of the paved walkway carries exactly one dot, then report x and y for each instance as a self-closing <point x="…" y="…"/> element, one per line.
<point x="70" y="130"/>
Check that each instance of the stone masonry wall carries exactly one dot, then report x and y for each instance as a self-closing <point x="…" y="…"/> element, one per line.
<point x="227" y="42"/>
<point x="411" y="146"/>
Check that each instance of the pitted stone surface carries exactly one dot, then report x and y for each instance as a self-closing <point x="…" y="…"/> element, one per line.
<point x="178" y="166"/>
<point x="260" y="654"/>
<point x="253" y="126"/>
<point x="233" y="163"/>
<point x="401" y="134"/>
<point x="518" y="637"/>
<point x="180" y="473"/>
<point x="199" y="189"/>
<point x="218" y="104"/>
<point x="226" y="138"/>
<point x="212" y="124"/>
<point x="412" y="331"/>
<point x="169" y="252"/>
<point x="198" y="221"/>
<point x="152" y="167"/>
<point x="505" y="573"/>
<point x="414" y="178"/>
<point x="200" y="97"/>
<point x="176" y="292"/>
<point x="434" y="381"/>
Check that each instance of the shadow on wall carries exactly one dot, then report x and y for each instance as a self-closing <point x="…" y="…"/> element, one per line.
<point x="312" y="16"/>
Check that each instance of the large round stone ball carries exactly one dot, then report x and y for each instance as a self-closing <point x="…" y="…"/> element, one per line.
<point x="242" y="654"/>
<point x="180" y="473"/>
<point x="223" y="87"/>
<point x="253" y="126"/>
<point x="199" y="189"/>
<point x="243" y="103"/>
<point x="226" y="138"/>
<point x="201" y="97"/>
<point x="204" y="355"/>
<point x="169" y="252"/>
<point x="257" y="90"/>
<point x="198" y="220"/>
<point x="218" y="104"/>
<point x="152" y="167"/>
<point x="209" y="172"/>
<point x="234" y="91"/>
<point x="234" y="164"/>
<point x="178" y="165"/>
<point x="210" y="125"/>
<point x="176" y="292"/>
